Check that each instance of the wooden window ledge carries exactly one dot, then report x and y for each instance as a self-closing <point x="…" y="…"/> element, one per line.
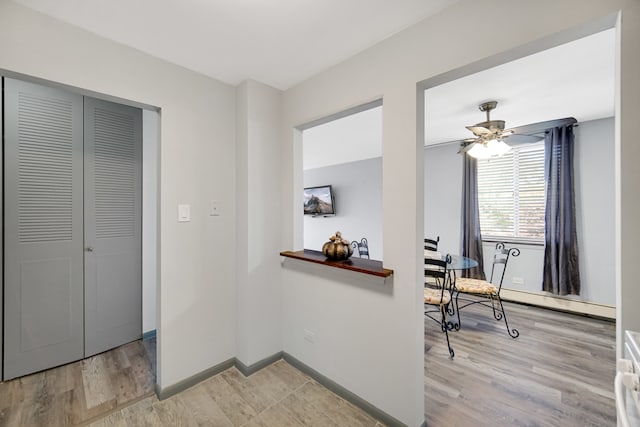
<point x="360" y="265"/>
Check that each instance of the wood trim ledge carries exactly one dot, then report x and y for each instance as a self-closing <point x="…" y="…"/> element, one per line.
<point x="359" y="265"/>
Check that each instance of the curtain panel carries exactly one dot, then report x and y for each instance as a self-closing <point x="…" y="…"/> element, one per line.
<point x="561" y="269"/>
<point x="471" y="236"/>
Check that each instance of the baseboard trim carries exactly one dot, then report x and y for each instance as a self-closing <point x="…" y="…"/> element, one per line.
<point x="556" y="303"/>
<point x="347" y="395"/>
<point x="169" y="391"/>
<point x="255" y="367"/>
<point x="149" y="334"/>
<point x="331" y="385"/>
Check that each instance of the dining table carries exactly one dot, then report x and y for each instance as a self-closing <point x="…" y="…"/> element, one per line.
<point x="456" y="263"/>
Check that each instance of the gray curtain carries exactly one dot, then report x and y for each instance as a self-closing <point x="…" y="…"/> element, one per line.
<point x="561" y="272"/>
<point x="471" y="237"/>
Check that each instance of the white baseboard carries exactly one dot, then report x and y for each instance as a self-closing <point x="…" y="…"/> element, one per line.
<point x="559" y="303"/>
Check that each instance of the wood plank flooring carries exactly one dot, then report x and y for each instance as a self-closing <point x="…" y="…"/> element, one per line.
<point x="559" y="372"/>
<point x="76" y="393"/>
<point x="115" y="388"/>
<point x="276" y="396"/>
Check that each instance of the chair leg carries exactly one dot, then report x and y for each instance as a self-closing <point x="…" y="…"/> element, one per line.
<point x="497" y="313"/>
<point x="458" y="324"/>
<point x="445" y="329"/>
<point x="513" y="333"/>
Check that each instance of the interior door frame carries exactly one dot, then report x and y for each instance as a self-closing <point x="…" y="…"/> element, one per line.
<point x="2" y="233"/>
<point x="84" y="92"/>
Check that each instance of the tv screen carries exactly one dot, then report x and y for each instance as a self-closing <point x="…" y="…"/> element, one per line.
<point x="319" y="201"/>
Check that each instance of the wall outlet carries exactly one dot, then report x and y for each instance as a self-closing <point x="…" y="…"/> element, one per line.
<point x="309" y="336"/>
<point x="215" y="208"/>
<point x="517" y="280"/>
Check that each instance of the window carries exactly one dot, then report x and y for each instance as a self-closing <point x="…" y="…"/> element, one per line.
<point x="511" y="194"/>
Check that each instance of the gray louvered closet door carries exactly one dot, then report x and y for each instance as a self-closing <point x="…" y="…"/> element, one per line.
<point x="43" y="304"/>
<point x="113" y="265"/>
<point x="72" y="245"/>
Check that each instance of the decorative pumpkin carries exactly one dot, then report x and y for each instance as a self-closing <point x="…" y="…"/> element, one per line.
<point x="337" y="248"/>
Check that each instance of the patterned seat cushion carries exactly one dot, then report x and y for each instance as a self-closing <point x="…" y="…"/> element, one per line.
<point x="432" y="296"/>
<point x="475" y="286"/>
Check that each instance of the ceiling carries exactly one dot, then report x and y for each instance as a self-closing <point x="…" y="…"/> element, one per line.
<point x="284" y="42"/>
<point x="348" y="139"/>
<point x="575" y="79"/>
<point x="572" y="80"/>
<point x="276" y="42"/>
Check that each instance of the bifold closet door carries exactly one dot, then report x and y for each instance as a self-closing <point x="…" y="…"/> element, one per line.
<point x="43" y="282"/>
<point x="113" y="220"/>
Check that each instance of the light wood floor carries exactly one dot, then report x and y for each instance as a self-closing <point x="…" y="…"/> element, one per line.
<point x="559" y="372"/>
<point x="81" y="391"/>
<point x="116" y="389"/>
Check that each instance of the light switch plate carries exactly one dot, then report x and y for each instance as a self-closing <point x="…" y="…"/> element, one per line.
<point x="184" y="213"/>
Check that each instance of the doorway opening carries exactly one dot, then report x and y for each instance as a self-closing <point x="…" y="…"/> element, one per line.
<point x="526" y="94"/>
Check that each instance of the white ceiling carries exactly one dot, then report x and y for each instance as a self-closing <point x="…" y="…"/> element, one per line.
<point x="572" y="80"/>
<point x="284" y="42"/>
<point x="348" y="139"/>
<point x="276" y="42"/>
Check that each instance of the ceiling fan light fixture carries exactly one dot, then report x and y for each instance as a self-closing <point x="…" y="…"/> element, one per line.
<point x="489" y="149"/>
<point x="498" y="147"/>
<point x="479" y="151"/>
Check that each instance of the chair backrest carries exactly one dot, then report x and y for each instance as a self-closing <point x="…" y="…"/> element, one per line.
<point x="431" y="245"/>
<point x="500" y="259"/>
<point x="362" y="247"/>
<point x="438" y="269"/>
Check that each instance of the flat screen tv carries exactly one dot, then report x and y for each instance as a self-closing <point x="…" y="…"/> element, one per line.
<point x="319" y="201"/>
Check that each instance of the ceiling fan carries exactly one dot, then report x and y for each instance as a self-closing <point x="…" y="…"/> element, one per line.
<point x="488" y="141"/>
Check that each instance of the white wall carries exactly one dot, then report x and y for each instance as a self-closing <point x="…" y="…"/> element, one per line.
<point x="594" y="172"/>
<point x="357" y="188"/>
<point x="150" y="144"/>
<point x="196" y="327"/>
<point x="594" y="188"/>
<point x="380" y="335"/>
<point x="391" y="69"/>
<point x="443" y="196"/>
<point x="258" y="222"/>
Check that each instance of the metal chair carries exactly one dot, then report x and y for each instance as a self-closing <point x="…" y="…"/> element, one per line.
<point x="482" y="292"/>
<point x="431" y="251"/>
<point x="430" y="244"/>
<point x="437" y="295"/>
<point x="362" y="247"/>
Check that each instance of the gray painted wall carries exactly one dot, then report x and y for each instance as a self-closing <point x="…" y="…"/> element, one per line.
<point x="357" y="190"/>
<point x="594" y="173"/>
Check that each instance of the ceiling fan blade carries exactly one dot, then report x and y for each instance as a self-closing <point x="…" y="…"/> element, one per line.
<point x="478" y="130"/>
<point x="541" y="127"/>
<point x="466" y="147"/>
<point x="521" y="138"/>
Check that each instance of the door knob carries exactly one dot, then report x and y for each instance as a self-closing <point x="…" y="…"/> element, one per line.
<point x="89" y="248"/>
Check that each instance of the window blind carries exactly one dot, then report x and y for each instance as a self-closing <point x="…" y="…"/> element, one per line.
<point x="511" y="194"/>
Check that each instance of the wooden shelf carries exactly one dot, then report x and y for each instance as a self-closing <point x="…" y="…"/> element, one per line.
<point x="360" y="265"/>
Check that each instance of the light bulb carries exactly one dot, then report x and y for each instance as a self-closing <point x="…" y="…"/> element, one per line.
<point x="479" y="151"/>
<point x="497" y="148"/>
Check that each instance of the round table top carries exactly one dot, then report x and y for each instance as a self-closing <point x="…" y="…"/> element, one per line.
<point x="458" y="262"/>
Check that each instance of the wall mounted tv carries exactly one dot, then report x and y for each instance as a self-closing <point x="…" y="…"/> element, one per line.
<point x="319" y="201"/>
